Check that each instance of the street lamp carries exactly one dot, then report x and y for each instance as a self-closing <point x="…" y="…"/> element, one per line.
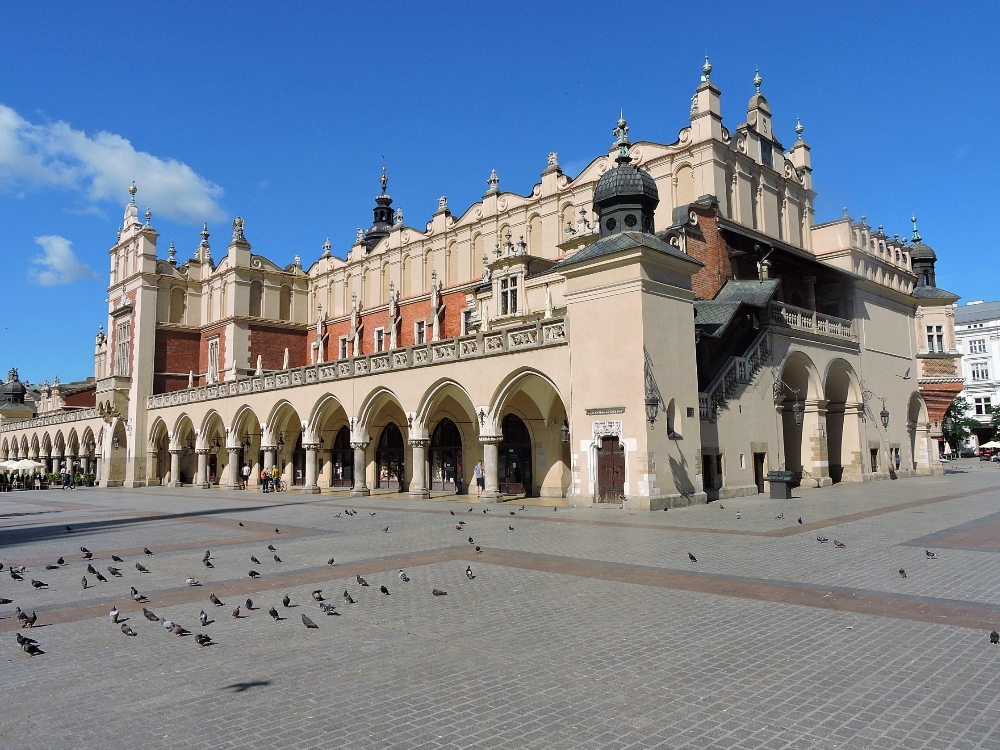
<point x="652" y="408"/>
<point x="564" y="432"/>
<point x="798" y="411"/>
<point x="884" y="414"/>
<point x="114" y="442"/>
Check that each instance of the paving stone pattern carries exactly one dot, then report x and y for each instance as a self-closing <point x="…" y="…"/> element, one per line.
<point x="582" y="628"/>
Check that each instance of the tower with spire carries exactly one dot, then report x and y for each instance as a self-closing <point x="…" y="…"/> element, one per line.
<point x="382" y="224"/>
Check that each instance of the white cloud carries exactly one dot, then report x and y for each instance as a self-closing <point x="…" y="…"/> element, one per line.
<point x="101" y="167"/>
<point x="58" y="264"/>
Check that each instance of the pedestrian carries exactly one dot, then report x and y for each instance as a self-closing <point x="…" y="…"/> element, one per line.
<point x="265" y="480"/>
<point x="246" y="476"/>
<point x="480" y="475"/>
<point x="275" y="475"/>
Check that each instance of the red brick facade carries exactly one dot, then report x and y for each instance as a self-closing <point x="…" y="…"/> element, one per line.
<point x="706" y="243"/>
<point x="269" y="343"/>
<point x="176" y="353"/>
<point x="85" y="397"/>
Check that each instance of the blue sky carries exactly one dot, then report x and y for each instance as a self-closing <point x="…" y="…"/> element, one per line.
<point x="281" y="113"/>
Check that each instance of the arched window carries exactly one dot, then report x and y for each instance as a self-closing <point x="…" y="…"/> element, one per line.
<point x="451" y="265"/>
<point x="285" y="304"/>
<point x="685" y="185"/>
<point x="385" y="284"/>
<point x="406" y="272"/>
<point x="535" y="235"/>
<point x="178" y="305"/>
<point x="477" y="257"/>
<point x="673" y="420"/>
<point x="428" y="269"/>
<point x="256" y="299"/>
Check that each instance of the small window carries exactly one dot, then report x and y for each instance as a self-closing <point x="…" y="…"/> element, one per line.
<point x="508" y="295"/>
<point x="342" y="346"/>
<point x="767" y="154"/>
<point x="983" y="405"/>
<point x="379" y="339"/>
<point x="466" y="321"/>
<point x="981" y="371"/>
<point x="977" y="346"/>
<point x="418" y="332"/>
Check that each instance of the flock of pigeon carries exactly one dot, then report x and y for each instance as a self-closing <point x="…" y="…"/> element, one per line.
<point x="31" y="647"/>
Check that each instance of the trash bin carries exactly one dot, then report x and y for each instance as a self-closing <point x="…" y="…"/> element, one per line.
<point x="781" y="484"/>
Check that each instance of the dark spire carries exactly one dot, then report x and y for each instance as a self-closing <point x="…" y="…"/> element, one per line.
<point x="382" y="224"/>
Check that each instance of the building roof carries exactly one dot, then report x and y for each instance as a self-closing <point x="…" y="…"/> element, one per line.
<point x="751" y="291"/>
<point x="712" y="317"/>
<point x="933" y="292"/>
<point x="614" y="243"/>
<point x="626" y="181"/>
<point x="979" y="312"/>
<point x="920" y="251"/>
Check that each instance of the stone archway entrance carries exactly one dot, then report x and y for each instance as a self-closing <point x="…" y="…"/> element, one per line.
<point x="390" y="461"/>
<point x="342" y="458"/>
<point x="514" y="459"/>
<point x="446" y="458"/>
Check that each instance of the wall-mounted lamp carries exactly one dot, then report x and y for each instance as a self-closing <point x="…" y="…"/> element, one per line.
<point x="798" y="411"/>
<point x="884" y="414"/>
<point x="114" y="442"/>
<point x="564" y="432"/>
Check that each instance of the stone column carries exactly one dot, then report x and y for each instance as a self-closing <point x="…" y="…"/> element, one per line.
<point x="202" y="479"/>
<point x="815" y="452"/>
<point x="311" y="487"/>
<point x="269" y="455"/>
<point x="55" y="464"/>
<point x="235" y="470"/>
<point x="175" y="467"/>
<point x="490" y="452"/>
<point x="418" y="482"/>
<point x="810" y="291"/>
<point x="360" y="488"/>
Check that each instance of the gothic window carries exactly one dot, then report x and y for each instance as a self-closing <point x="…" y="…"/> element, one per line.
<point x="477" y="257"/>
<point x="406" y="269"/>
<point x="285" y="312"/>
<point x="213" y="360"/>
<point x="451" y="265"/>
<point x="122" y="348"/>
<point x="342" y="347"/>
<point x="256" y="299"/>
<point x="685" y="185"/>
<point x="178" y="304"/>
<point x="535" y="235"/>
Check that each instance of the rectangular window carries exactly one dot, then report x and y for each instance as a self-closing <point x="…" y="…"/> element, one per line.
<point x="981" y="371"/>
<point x="122" y="348"/>
<point x="504" y="283"/>
<point x="342" y="347"/>
<point x="379" y="339"/>
<point x="983" y="405"/>
<point x="508" y="295"/>
<point x="418" y="332"/>
<point x="466" y="321"/>
<point x="935" y="339"/>
<point x="213" y="360"/>
<point x="767" y="154"/>
<point x="977" y="346"/>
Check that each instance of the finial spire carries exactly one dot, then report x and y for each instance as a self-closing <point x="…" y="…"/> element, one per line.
<point x="326" y="247"/>
<point x="384" y="180"/>
<point x="621" y="133"/>
<point x="706" y="70"/>
<point x="798" y="128"/>
<point x="757" y="80"/>
<point x="916" y="232"/>
<point x="149" y="216"/>
<point x="172" y="253"/>
<point x="132" y="190"/>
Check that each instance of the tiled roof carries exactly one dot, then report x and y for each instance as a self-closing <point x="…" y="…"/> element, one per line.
<point x="624" y="241"/>
<point x="751" y="291"/>
<point x="976" y="313"/>
<point x="932" y="292"/>
<point x="712" y="316"/>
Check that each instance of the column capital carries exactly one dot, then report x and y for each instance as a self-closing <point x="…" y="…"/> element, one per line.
<point x="359" y="446"/>
<point x="496" y="439"/>
<point x="419" y="442"/>
<point x="202" y="451"/>
<point x="310" y="446"/>
<point x="176" y="451"/>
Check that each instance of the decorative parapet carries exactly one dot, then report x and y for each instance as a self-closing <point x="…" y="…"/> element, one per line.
<point x="114" y="383"/>
<point x="60" y="418"/>
<point x="537" y="335"/>
<point x="784" y="315"/>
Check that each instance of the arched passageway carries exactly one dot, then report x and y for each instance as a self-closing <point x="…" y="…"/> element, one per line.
<point x="514" y="457"/>
<point x="446" y="458"/>
<point x="390" y="459"/>
<point x="843" y="423"/>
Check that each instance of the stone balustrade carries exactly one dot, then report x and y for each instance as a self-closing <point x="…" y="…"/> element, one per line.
<point x="789" y="316"/>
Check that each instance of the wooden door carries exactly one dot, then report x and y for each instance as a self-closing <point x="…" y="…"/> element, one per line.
<point x="758" y="471"/>
<point x="610" y="471"/>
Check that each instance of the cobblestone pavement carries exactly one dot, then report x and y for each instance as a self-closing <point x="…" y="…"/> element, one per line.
<point x="581" y="629"/>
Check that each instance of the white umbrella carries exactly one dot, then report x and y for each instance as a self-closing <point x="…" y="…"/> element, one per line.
<point x="8" y="465"/>
<point x="26" y="464"/>
<point x="991" y="444"/>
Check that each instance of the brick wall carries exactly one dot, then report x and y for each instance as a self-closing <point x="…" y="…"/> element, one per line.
<point x="270" y="343"/>
<point x="86" y="397"/>
<point x="705" y="243"/>
<point x="175" y="351"/>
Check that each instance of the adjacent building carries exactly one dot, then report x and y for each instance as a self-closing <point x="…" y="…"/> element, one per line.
<point x="666" y="327"/>
<point x="977" y="330"/>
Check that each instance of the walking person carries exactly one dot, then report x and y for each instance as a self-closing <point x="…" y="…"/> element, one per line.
<point x="246" y="476"/>
<point x="265" y="480"/>
<point x="480" y="475"/>
<point x="275" y="479"/>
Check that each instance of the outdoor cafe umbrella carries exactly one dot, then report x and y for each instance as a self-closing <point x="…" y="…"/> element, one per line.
<point x="991" y="444"/>
<point x="26" y="464"/>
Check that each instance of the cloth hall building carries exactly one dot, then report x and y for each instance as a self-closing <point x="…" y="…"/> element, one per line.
<point x="665" y="328"/>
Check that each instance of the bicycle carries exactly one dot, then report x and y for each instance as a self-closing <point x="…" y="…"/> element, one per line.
<point x="282" y="486"/>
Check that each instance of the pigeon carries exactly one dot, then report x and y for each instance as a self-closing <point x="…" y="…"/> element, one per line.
<point x="83" y="581"/>
<point x="338" y="515"/>
<point x="328" y="608"/>
<point x="692" y="558"/>
<point x="469" y="511"/>
<point x="461" y="523"/>
<point x="522" y="507"/>
<point x="994" y="638"/>
<point x="100" y="578"/>
<point x="241" y="523"/>
<point x="286" y="600"/>
<point x="23" y="639"/>
<point x="800" y="519"/>
<point x="6" y="601"/>
<point x="192" y="582"/>
<point x="17" y="568"/>
<point x="308" y="623"/>
<point x="208" y="555"/>
<point x="452" y="512"/>
<point x="137" y="596"/>
<point x="362" y="581"/>
<point x="254" y="560"/>
<point x="203" y="640"/>
<point x="84" y="550"/>
<point x="236" y="613"/>
<point x="277" y="559"/>
<point x="458" y="528"/>
<point x="780" y="517"/>
<point x="20" y="614"/>
<point x="554" y="509"/>
<point x="90" y="568"/>
<point x="116" y="572"/>
<point x="822" y="539"/>
<point x="52" y="567"/>
<point x="88" y="555"/>
<point x="115" y="558"/>
<point x="386" y="529"/>
<point x="60" y="561"/>
<point x="253" y="574"/>
<point x="738" y="515"/>
<point x="471" y="540"/>
<point x="330" y="561"/>
<point x="930" y="555"/>
<point x="274" y="614"/>
<point x="317" y="595"/>
<point x="347" y="597"/>
<point x="902" y="573"/>
<point x="439" y="592"/>
<point x="69" y="529"/>
<point x="372" y="513"/>
<point x="512" y="512"/>
<point x="113" y="614"/>
<point x="31" y="649"/>
<point x="384" y="590"/>
<point x="509" y="527"/>
<point x="208" y="563"/>
<point x="178" y="630"/>
<point x="468" y="573"/>
<point x="249" y="604"/>
<point x="478" y="548"/>
<point x="39" y="584"/>
<point x="146" y="550"/>
<point x="151" y="616"/>
<point x="403" y="577"/>
<point x="203" y="618"/>
<point x="272" y="548"/>
<point x="15" y="576"/>
<point x="484" y="510"/>
<point x="30" y="620"/>
<point x="215" y="600"/>
<point x="278" y="532"/>
<point x="141" y="568"/>
<point x="838" y="544"/>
